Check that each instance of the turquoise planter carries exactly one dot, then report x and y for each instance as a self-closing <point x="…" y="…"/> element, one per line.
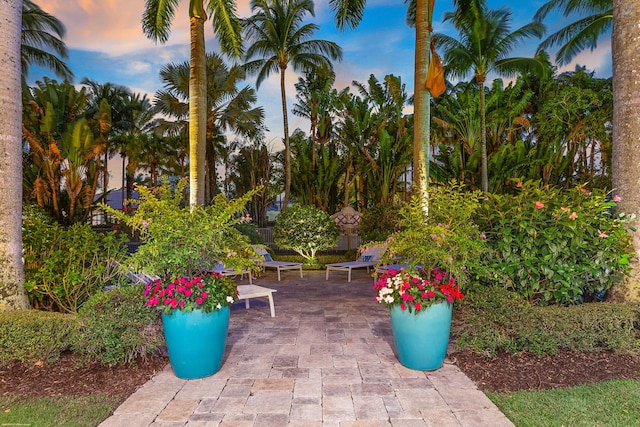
<point x="422" y="339"/>
<point x="196" y="341"/>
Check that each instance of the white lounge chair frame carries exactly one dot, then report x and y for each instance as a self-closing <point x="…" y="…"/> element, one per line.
<point x="278" y="265"/>
<point x="375" y="252"/>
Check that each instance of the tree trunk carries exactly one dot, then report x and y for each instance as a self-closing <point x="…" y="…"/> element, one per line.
<point x="483" y="137"/>
<point x="421" y="104"/>
<point x="287" y="148"/>
<point x="626" y="122"/>
<point x="12" y="295"/>
<point x="197" y="112"/>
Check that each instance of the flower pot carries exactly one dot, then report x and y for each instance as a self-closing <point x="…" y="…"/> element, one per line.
<point x="196" y="341"/>
<point x="422" y="338"/>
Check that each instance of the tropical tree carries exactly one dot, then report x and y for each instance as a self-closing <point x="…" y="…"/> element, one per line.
<point x="156" y="24"/>
<point x="626" y="118"/>
<point x="108" y="114"/>
<point x="64" y="154"/>
<point x="581" y="34"/>
<point x="229" y="108"/>
<point x="41" y="41"/>
<point x="12" y="295"/>
<point x="485" y="41"/>
<point x="278" y="38"/>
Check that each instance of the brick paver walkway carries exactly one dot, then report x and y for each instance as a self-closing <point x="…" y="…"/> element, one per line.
<point x="326" y="359"/>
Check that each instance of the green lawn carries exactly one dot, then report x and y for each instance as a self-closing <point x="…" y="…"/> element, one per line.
<point x="611" y="404"/>
<point x="67" y="411"/>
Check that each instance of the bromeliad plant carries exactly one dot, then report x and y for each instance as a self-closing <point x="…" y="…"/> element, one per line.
<point x="206" y="293"/>
<point x="412" y="292"/>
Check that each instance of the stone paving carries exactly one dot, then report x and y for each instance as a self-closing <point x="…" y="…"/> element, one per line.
<point x="326" y="359"/>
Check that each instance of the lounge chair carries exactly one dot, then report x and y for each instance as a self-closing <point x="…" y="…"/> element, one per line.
<point x="226" y="271"/>
<point x="265" y="261"/>
<point x="367" y="259"/>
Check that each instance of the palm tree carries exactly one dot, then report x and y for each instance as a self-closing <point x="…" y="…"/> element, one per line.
<point x="626" y="118"/>
<point x="484" y="45"/>
<point x="109" y="114"/>
<point x="229" y="108"/>
<point x="156" y="24"/>
<point x="12" y="295"/>
<point x="41" y="34"/>
<point x="278" y="38"/>
<point x="578" y="35"/>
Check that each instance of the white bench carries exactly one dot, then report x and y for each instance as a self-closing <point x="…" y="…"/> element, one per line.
<point x="246" y="292"/>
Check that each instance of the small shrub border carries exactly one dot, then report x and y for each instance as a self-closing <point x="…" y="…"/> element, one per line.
<point x="493" y="319"/>
<point x="30" y="336"/>
<point x="117" y="327"/>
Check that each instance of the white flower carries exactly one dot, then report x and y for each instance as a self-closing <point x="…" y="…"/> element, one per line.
<point x="218" y="307"/>
<point x="229" y="299"/>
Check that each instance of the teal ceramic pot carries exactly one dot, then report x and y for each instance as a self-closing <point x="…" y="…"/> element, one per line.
<point x="421" y="339"/>
<point x="196" y="341"/>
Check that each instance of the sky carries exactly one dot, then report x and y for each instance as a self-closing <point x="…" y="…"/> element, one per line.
<point x="106" y="44"/>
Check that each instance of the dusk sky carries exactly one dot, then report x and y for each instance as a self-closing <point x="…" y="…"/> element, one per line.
<point x="106" y="44"/>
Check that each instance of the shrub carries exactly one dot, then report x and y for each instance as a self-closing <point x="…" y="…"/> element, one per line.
<point x="378" y="223"/>
<point x="306" y="230"/>
<point x="249" y="230"/>
<point x="182" y="241"/>
<point x="556" y="247"/>
<point x="117" y="327"/>
<point x="64" y="266"/>
<point x="494" y="319"/>
<point x="447" y="239"/>
<point x="31" y="335"/>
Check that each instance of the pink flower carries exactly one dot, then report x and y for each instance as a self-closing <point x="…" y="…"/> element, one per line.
<point x="417" y="306"/>
<point x="187" y="292"/>
<point x="403" y="307"/>
<point x="199" y="300"/>
<point x="617" y="198"/>
<point x="519" y="184"/>
<point x="204" y="295"/>
<point x="539" y="205"/>
<point x="573" y="215"/>
<point x="602" y="235"/>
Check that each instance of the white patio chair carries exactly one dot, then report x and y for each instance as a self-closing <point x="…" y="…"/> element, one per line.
<point x="265" y="261"/>
<point x="367" y="259"/>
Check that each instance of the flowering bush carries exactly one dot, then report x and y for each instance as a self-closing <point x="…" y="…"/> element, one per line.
<point x="210" y="292"/>
<point x="553" y="246"/>
<point x="415" y="293"/>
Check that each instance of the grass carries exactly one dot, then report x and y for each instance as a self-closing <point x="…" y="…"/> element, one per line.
<point x="609" y="403"/>
<point x="68" y="411"/>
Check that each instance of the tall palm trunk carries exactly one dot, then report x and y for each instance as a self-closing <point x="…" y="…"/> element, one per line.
<point x="421" y="107"/>
<point x="197" y="112"/>
<point x="483" y="135"/>
<point x="287" y="148"/>
<point x="626" y="121"/>
<point x="12" y="295"/>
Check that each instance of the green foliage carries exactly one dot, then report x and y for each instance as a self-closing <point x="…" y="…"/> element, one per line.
<point x="116" y="327"/>
<point x="447" y="238"/>
<point x="494" y="319"/>
<point x="32" y="335"/>
<point x="306" y="230"/>
<point x="249" y="230"/>
<point x="378" y="223"/>
<point x="185" y="242"/>
<point x="556" y="247"/>
<point x="65" y="266"/>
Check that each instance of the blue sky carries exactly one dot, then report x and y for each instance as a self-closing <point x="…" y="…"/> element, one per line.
<point x="107" y="45"/>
